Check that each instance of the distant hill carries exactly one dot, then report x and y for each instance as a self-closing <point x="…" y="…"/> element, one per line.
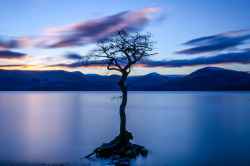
<point x="205" y="79"/>
<point x="147" y="81"/>
<point x="208" y="79"/>
<point x="52" y="80"/>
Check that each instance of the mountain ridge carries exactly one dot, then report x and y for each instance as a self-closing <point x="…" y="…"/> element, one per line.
<point x="204" y="79"/>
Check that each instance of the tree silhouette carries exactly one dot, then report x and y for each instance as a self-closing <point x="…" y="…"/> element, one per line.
<point x="120" y="52"/>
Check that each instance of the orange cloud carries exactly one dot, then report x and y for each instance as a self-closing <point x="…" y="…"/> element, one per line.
<point x="16" y="66"/>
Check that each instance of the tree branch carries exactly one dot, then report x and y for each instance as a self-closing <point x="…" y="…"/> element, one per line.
<point x="120" y="51"/>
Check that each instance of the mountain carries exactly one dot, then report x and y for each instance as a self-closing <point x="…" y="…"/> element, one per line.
<point x="146" y="82"/>
<point x="51" y="80"/>
<point x="208" y="78"/>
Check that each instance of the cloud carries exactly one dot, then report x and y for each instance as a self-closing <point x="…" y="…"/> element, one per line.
<point x="217" y="42"/>
<point x="240" y="57"/>
<point x="12" y="43"/>
<point x="10" y="66"/>
<point x="78" y="64"/>
<point x="220" y="59"/>
<point x="22" y="66"/>
<point x="246" y="49"/>
<point x="10" y="55"/>
<point x="91" y="31"/>
<point x="70" y="65"/>
<point x="73" y="56"/>
<point x="17" y="42"/>
<point x="85" y="32"/>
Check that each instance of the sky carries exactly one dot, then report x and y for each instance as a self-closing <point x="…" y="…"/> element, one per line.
<point x="190" y="34"/>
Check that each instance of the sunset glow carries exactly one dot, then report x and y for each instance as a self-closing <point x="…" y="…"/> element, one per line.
<point x="188" y="35"/>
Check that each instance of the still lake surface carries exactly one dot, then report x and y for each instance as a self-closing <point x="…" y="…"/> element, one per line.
<point x="178" y="128"/>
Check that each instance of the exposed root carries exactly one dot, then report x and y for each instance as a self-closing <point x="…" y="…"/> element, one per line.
<point x="119" y="150"/>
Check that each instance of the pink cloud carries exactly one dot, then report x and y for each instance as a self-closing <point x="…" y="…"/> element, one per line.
<point x="85" y="32"/>
<point x="91" y="31"/>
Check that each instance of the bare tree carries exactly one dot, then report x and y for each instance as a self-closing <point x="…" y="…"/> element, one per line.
<point x="121" y="52"/>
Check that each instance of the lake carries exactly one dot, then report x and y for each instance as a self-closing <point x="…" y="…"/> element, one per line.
<point x="178" y="128"/>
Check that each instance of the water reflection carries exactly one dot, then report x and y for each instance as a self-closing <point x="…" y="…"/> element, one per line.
<point x="179" y="128"/>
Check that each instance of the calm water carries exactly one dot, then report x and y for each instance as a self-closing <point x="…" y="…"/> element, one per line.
<point x="178" y="128"/>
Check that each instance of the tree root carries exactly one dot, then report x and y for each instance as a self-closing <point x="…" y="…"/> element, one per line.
<point x="119" y="148"/>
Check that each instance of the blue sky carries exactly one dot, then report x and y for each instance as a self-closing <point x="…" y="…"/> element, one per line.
<point x="190" y="34"/>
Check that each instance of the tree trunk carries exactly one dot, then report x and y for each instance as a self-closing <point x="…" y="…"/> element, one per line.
<point x="121" y="145"/>
<point x="123" y="117"/>
<point x="124" y="138"/>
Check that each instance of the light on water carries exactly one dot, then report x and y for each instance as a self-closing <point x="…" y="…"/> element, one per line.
<point x="178" y="128"/>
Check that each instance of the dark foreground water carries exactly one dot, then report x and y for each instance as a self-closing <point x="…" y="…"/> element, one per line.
<point x="178" y="128"/>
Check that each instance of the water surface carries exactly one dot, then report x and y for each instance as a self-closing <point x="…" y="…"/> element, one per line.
<point x="178" y="128"/>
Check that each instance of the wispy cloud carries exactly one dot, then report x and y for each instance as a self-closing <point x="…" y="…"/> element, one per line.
<point x="21" y="66"/>
<point x="6" y="44"/>
<point x="73" y="56"/>
<point x="50" y="59"/>
<point x="220" y="59"/>
<point x="16" y="42"/>
<point x="10" y="55"/>
<point x="230" y="58"/>
<point x="12" y="65"/>
<point x="73" y="65"/>
<point x="77" y="64"/>
<point x="85" y="32"/>
<point x="217" y="42"/>
<point x="91" y="31"/>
